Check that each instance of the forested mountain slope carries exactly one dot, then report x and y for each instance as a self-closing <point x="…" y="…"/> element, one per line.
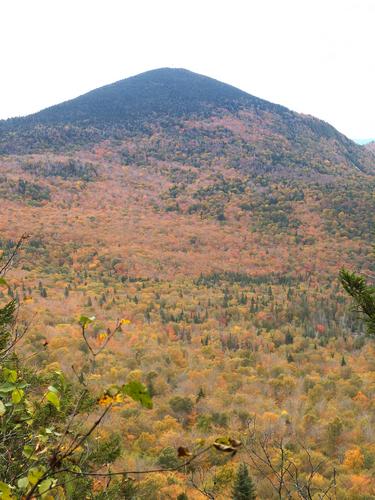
<point x="215" y="223"/>
<point x="177" y="101"/>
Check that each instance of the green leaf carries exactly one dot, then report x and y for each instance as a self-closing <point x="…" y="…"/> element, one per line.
<point x="61" y="379"/>
<point x="5" y="492"/>
<point x="113" y="390"/>
<point x="51" y="388"/>
<point x="3" y="282"/>
<point x="75" y="468"/>
<point x="29" y="452"/>
<point x="54" y="399"/>
<point x="17" y="396"/>
<point x="29" y="407"/>
<point x="223" y="440"/>
<point x="8" y="387"/>
<point x="10" y="375"/>
<point x="23" y="483"/>
<point x="85" y="320"/>
<point x="138" y="392"/>
<point x="35" y="474"/>
<point x="46" y="485"/>
<point x="2" y="408"/>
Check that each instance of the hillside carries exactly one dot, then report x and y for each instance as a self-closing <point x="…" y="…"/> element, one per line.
<point x="184" y="106"/>
<point x="208" y="159"/>
<point x="214" y="223"/>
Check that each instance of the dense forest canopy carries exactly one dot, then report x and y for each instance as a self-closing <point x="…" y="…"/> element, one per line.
<point x="185" y="242"/>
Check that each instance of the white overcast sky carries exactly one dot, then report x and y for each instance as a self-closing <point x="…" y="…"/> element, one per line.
<point x="314" y="56"/>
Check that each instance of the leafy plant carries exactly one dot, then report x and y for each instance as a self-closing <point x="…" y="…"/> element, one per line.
<point x="41" y="447"/>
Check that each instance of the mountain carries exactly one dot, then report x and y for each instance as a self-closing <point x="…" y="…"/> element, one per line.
<point x="181" y="146"/>
<point x="172" y="102"/>
<point x="173" y="153"/>
<point x="161" y="92"/>
<point x="214" y="224"/>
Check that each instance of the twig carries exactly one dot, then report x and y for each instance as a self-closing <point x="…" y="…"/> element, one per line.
<point x="5" y="267"/>
<point x="148" y="471"/>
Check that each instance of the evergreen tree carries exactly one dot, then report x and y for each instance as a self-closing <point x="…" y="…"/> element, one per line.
<point x="289" y="338"/>
<point x="244" y="488"/>
<point x="182" y="496"/>
<point x="289" y="358"/>
<point x="200" y="395"/>
<point x="363" y="294"/>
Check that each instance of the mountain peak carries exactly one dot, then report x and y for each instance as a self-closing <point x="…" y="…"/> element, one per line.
<point x="169" y="100"/>
<point x="163" y="91"/>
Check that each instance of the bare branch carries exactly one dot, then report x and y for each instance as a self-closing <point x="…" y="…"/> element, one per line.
<point x="4" y="269"/>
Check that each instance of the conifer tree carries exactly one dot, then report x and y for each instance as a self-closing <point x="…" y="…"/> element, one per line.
<point x="244" y="488"/>
<point x="363" y="294"/>
<point x="182" y="496"/>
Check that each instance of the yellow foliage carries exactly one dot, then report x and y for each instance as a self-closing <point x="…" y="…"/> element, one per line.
<point x="155" y="482"/>
<point x="168" y="423"/>
<point x="146" y="441"/>
<point x="319" y="481"/>
<point x="106" y="400"/>
<point x="57" y="343"/>
<point x="53" y="367"/>
<point x="135" y="375"/>
<point x="63" y="326"/>
<point x="354" y="459"/>
<point x="270" y="417"/>
<point x="178" y="357"/>
<point x="102" y="337"/>
<point x="362" y="485"/>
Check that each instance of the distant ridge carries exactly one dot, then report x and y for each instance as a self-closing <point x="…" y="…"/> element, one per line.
<point x="364" y="142"/>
